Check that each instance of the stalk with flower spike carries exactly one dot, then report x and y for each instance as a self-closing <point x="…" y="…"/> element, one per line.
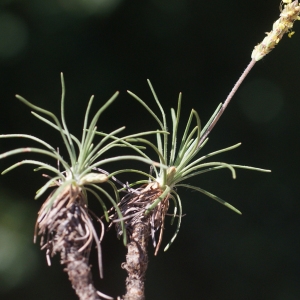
<point x="289" y="14"/>
<point x="65" y="221"/>
<point x="145" y="208"/>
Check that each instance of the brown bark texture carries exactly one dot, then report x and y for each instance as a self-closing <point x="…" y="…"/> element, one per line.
<point x="137" y="261"/>
<point x="140" y="225"/>
<point x="65" y="227"/>
<point x="79" y="273"/>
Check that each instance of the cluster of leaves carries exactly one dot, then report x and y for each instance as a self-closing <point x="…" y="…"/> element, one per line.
<point x="65" y="221"/>
<point x="177" y="164"/>
<point x="82" y="169"/>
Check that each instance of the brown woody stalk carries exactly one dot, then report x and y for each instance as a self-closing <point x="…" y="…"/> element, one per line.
<point x="66" y="228"/>
<point x="137" y="260"/>
<point x="139" y="227"/>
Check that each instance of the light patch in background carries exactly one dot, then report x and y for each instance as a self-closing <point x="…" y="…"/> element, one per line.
<point x="261" y="100"/>
<point x="100" y="7"/>
<point x="13" y="35"/>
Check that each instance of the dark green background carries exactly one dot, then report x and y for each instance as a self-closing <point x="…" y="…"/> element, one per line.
<point x="196" y="47"/>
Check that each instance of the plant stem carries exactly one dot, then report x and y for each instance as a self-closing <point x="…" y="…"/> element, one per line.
<point x="226" y="102"/>
<point x="137" y="260"/>
<point x="79" y="272"/>
<point x="138" y="228"/>
<point x="66" y="228"/>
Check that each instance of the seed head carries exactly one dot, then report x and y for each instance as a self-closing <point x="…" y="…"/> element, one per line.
<point x="289" y="14"/>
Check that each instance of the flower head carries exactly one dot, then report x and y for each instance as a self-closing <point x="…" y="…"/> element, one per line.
<point x="289" y="14"/>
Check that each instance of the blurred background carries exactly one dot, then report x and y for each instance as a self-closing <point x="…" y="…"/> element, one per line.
<point x="199" y="48"/>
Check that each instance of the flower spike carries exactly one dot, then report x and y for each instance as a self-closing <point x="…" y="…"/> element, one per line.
<point x="289" y="14"/>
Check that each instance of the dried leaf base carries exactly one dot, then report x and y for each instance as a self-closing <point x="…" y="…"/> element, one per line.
<point x="65" y="227"/>
<point x="139" y="227"/>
